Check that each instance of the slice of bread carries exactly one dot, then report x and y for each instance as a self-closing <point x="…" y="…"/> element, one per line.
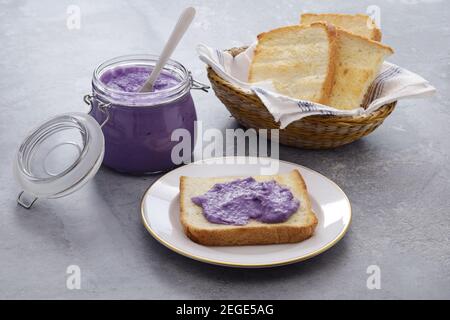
<point x="298" y="227"/>
<point x="359" y="24"/>
<point x="298" y="59"/>
<point x="358" y="62"/>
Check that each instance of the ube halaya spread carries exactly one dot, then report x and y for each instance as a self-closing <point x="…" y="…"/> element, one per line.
<point x="132" y="78"/>
<point x="236" y="202"/>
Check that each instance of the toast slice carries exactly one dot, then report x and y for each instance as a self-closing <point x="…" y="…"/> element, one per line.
<point x="298" y="59"/>
<point x="359" y="24"/>
<point x="298" y="227"/>
<point x="358" y="62"/>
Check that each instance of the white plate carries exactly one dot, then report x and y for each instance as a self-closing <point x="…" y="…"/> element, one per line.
<point x="160" y="215"/>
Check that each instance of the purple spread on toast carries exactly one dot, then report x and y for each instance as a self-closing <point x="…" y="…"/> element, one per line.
<point x="236" y="202"/>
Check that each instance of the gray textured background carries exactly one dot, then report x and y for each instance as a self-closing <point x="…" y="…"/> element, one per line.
<point x="397" y="179"/>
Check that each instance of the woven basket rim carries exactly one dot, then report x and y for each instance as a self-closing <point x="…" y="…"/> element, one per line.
<point x="380" y="112"/>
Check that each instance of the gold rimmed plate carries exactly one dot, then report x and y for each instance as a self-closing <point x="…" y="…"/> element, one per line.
<point x="160" y="214"/>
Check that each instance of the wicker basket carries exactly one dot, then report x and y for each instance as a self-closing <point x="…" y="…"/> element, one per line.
<point x="314" y="132"/>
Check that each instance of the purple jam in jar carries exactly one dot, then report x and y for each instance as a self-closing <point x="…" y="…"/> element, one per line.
<point x="131" y="79"/>
<point x="138" y="126"/>
<point x="238" y="201"/>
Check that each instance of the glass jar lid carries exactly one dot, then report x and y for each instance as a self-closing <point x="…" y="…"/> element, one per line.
<point x="59" y="157"/>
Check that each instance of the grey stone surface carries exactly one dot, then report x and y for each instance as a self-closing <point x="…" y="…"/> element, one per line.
<point x="397" y="178"/>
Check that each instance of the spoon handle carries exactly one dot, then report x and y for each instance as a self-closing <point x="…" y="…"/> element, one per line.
<point x="178" y="32"/>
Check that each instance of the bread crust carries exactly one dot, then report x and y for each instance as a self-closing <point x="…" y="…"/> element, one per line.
<point x="376" y="34"/>
<point x="333" y="48"/>
<point x="249" y="236"/>
<point x="261" y="234"/>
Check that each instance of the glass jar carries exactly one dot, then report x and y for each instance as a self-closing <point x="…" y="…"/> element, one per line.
<point x="138" y="126"/>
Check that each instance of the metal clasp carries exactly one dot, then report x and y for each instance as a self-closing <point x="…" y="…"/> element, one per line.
<point x="103" y="107"/>
<point x="196" y="85"/>
<point x="26" y="199"/>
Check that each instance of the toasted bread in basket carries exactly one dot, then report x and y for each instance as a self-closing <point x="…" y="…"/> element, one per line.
<point x="318" y="62"/>
<point x="298" y="59"/>
<point x="358" y="62"/>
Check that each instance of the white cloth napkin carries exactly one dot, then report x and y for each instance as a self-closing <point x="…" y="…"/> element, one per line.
<point x="392" y="84"/>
